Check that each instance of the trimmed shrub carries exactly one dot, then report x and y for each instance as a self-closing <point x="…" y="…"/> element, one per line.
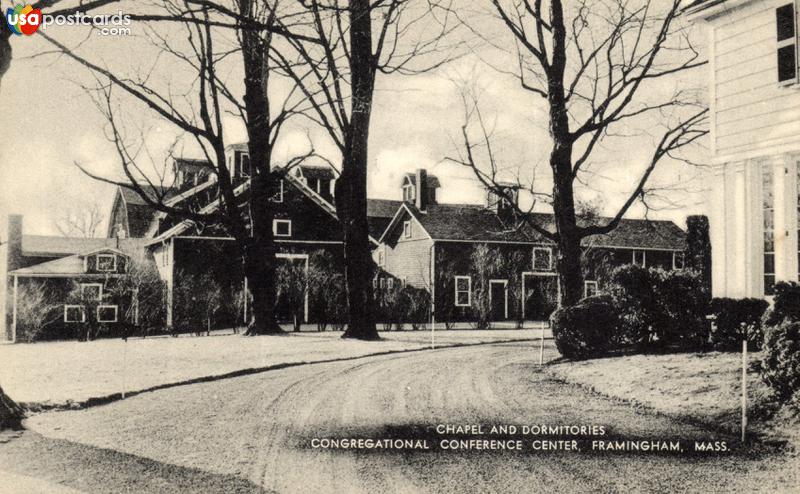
<point x="584" y="330"/>
<point x="631" y="288"/>
<point x="780" y="366"/>
<point x="786" y="306"/>
<point x="735" y="320"/>
<point x="681" y="307"/>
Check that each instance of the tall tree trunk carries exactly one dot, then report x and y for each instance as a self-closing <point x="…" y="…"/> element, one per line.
<point x="10" y="413"/>
<point x="259" y="258"/>
<point x="351" y="188"/>
<point x="570" y="276"/>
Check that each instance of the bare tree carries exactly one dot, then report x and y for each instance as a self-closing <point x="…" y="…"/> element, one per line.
<point x="599" y="69"/>
<point x="79" y="220"/>
<point x="240" y="210"/>
<point x="356" y="40"/>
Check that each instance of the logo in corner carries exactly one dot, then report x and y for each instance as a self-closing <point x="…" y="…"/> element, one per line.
<point x="23" y="19"/>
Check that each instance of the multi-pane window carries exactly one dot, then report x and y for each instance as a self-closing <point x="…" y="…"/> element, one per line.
<point x="542" y="259"/>
<point x="639" y="258"/>
<point x="409" y="193"/>
<point x="768" y="210"/>
<point x="406" y="229"/>
<point x="282" y="228"/>
<point x="107" y="313"/>
<point x="787" y="43"/>
<point x="590" y="288"/>
<point x="106" y="262"/>
<point x="74" y="313"/>
<point x="677" y="260"/>
<point x="91" y="291"/>
<point x="463" y="291"/>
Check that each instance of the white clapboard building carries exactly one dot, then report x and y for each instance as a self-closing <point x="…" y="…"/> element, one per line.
<point x="754" y="142"/>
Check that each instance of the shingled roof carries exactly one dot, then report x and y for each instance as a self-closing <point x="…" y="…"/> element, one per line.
<point x="464" y="222"/>
<point x="47" y="245"/>
<point x="379" y="214"/>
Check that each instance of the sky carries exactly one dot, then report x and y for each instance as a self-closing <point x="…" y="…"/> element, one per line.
<point x="49" y="123"/>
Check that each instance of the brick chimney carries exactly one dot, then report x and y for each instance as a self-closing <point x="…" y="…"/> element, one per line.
<point x="421" y="199"/>
<point x="14" y="243"/>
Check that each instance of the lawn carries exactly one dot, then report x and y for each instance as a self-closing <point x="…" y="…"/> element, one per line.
<point x="56" y="373"/>
<point x="704" y="387"/>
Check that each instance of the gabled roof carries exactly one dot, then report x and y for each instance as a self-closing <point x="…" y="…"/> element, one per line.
<point x="52" y="246"/>
<point x="154" y="192"/>
<point x="319" y="172"/>
<point x="472" y="223"/>
<point x="66" y="266"/>
<point x="379" y="214"/>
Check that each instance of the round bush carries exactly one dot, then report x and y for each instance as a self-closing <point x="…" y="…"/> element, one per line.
<point x="780" y="367"/>
<point x="584" y="330"/>
<point x="737" y="319"/>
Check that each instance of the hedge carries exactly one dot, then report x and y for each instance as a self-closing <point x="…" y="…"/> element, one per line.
<point x="736" y="319"/>
<point x="583" y="330"/>
<point x="780" y="366"/>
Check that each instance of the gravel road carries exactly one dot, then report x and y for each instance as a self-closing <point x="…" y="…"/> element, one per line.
<point x="255" y="432"/>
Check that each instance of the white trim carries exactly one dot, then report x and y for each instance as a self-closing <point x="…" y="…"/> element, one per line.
<point x="97" y="263"/>
<point x="469" y="290"/>
<point x="586" y="285"/>
<point x="505" y="293"/>
<point x="549" y="251"/>
<point x="72" y="306"/>
<point x="116" y="312"/>
<point x="277" y="222"/>
<point x="675" y="257"/>
<point x="389" y="282"/>
<point x="644" y="258"/>
<point x="99" y="291"/>
<point x="392" y="224"/>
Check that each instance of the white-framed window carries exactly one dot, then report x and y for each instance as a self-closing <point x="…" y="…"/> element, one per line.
<point x="639" y="257"/>
<point x="403" y="281"/>
<point x="375" y="282"/>
<point x="279" y="196"/>
<point x="282" y="228"/>
<point x="383" y="283"/>
<point x="463" y="288"/>
<point x="245" y="164"/>
<point x="407" y="229"/>
<point x="106" y="262"/>
<point x="381" y="257"/>
<point x="542" y="259"/>
<point x="786" y="49"/>
<point x="409" y="193"/>
<point x="390" y="283"/>
<point x="678" y="260"/>
<point x="590" y="288"/>
<point x="107" y="313"/>
<point x="91" y="291"/>
<point x="74" y="313"/>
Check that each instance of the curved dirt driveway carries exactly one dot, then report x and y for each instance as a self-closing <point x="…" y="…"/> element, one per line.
<point x="256" y="429"/>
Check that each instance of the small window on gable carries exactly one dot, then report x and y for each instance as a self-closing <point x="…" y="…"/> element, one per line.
<point x="383" y="283"/>
<point x="91" y="291"/>
<point x="677" y="260"/>
<point x="639" y="258"/>
<point x="463" y="286"/>
<point x="74" y="313"/>
<point x="106" y="313"/>
<point x="787" y="43"/>
<point x="282" y="228"/>
<point x="106" y="262"/>
<point x="590" y="288"/>
<point x="407" y="229"/>
<point x="381" y="257"/>
<point x="542" y="259"/>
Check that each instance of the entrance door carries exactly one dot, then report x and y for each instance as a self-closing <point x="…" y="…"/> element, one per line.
<point x="498" y="297"/>
<point x="540" y="294"/>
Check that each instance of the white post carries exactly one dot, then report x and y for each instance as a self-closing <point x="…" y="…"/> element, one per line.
<point x="124" y="364"/>
<point x="432" y="280"/>
<point x="744" y="389"/>
<point x="541" y="347"/>
<point x="245" y="301"/>
<point x="14" y="311"/>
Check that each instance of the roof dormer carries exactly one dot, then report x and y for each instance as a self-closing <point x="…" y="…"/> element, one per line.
<point x="191" y="172"/>
<point x="419" y="189"/>
<point x="237" y="160"/>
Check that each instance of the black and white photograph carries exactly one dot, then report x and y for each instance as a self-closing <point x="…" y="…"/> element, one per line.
<point x="399" y="246"/>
